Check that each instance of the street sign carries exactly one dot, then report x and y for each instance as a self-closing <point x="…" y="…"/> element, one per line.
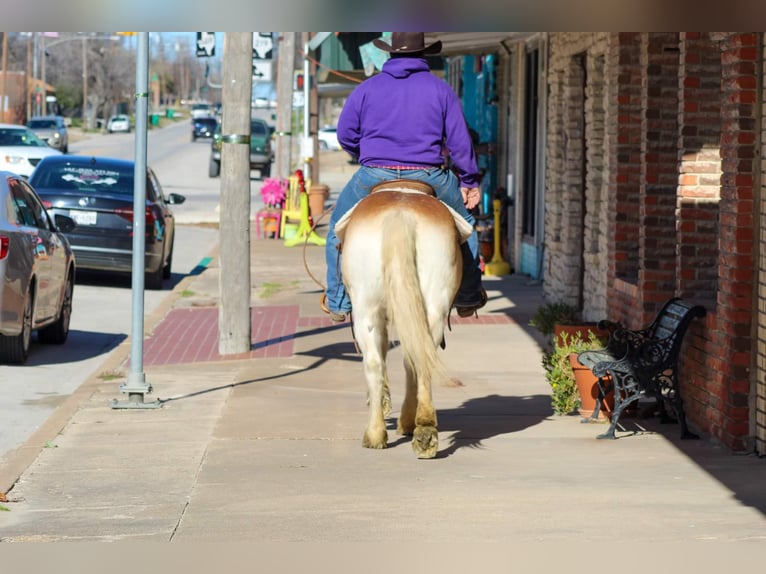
<point x="205" y="44"/>
<point x="262" y="45"/>
<point x="262" y="70"/>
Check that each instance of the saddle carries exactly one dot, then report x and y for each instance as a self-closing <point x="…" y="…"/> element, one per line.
<point x="404" y="185"/>
<point x="410" y="186"/>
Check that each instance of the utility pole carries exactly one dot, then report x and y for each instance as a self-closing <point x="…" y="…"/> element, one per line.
<point x="286" y="66"/>
<point x="234" y="276"/>
<point x="85" y="123"/>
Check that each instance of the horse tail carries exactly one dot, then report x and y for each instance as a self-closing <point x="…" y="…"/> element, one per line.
<point x="404" y="299"/>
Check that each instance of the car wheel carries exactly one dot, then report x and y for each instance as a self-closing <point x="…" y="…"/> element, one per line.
<point x="323" y="145"/>
<point x="153" y="279"/>
<point x="15" y="348"/>
<point x="57" y="333"/>
<point x="266" y="171"/>
<point x="214" y="168"/>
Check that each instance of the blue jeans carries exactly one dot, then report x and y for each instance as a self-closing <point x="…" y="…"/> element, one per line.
<point x="447" y="188"/>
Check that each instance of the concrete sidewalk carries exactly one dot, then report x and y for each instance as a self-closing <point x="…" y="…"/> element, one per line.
<point x="267" y="447"/>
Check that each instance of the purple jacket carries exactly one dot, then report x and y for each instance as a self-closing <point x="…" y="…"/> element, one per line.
<point x="406" y="116"/>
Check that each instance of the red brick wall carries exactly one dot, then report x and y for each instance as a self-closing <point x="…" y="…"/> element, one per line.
<point x="659" y="172"/>
<point x="626" y="115"/>
<point x="739" y="138"/>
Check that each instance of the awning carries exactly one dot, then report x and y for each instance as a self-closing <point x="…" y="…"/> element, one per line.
<point x="454" y="43"/>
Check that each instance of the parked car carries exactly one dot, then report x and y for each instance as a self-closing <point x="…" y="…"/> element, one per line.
<point x="202" y="110"/>
<point x="261" y="152"/>
<point x="37" y="270"/>
<point x="203" y="128"/>
<point x="21" y="149"/>
<point x="118" y="123"/>
<point x="52" y="130"/>
<point x="328" y="138"/>
<point x="97" y="193"/>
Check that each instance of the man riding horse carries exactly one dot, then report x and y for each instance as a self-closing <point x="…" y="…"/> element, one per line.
<point x="402" y="124"/>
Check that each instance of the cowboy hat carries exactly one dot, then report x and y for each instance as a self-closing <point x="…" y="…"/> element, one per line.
<point x="408" y="43"/>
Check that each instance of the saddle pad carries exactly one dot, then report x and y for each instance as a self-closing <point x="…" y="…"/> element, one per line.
<point x="464" y="228"/>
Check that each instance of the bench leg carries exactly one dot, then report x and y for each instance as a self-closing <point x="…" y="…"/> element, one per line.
<point x="603" y="389"/>
<point x="626" y="391"/>
<point x="668" y="392"/>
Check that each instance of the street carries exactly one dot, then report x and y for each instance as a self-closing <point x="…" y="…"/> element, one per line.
<point x="102" y="305"/>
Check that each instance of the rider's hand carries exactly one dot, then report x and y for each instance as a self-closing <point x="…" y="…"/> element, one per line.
<point x="471" y="196"/>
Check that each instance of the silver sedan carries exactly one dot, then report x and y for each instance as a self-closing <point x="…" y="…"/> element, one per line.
<point x="37" y="271"/>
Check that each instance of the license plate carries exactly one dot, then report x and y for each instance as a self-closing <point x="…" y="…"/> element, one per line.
<point x="83" y="217"/>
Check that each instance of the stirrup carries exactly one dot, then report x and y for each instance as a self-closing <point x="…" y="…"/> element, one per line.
<point x="334" y="317"/>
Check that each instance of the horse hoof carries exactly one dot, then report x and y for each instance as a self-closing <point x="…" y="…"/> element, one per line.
<point x="380" y="442"/>
<point x="425" y="442"/>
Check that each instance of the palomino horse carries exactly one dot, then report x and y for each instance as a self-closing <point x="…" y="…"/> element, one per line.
<point x="402" y="267"/>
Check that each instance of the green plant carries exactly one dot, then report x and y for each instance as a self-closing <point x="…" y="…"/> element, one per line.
<point x="549" y="314"/>
<point x="559" y="374"/>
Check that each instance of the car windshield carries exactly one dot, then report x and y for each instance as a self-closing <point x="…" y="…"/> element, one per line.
<point x="206" y="121"/>
<point x="119" y="118"/>
<point x="90" y="178"/>
<point x="41" y="124"/>
<point x="258" y="129"/>
<point x="20" y="137"/>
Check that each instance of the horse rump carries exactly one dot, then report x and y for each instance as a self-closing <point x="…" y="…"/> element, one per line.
<point x="402" y="266"/>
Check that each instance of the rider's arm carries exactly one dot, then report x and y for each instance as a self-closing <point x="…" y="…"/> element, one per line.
<point x="459" y="143"/>
<point x="349" y="125"/>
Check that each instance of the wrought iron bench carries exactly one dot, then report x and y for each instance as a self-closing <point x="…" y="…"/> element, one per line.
<point x="643" y="362"/>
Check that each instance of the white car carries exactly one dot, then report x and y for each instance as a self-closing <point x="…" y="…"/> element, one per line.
<point x="118" y="123"/>
<point x="328" y="139"/>
<point x="21" y="150"/>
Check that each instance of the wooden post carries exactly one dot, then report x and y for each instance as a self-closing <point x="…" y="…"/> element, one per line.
<point x="286" y="66"/>
<point x="234" y="276"/>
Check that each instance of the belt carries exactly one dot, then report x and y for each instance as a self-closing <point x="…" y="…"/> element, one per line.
<point x="406" y="167"/>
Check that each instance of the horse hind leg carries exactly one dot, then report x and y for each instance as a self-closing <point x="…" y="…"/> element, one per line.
<point x="371" y="343"/>
<point x="425" y="438"/>
<point x="405" y="426"/>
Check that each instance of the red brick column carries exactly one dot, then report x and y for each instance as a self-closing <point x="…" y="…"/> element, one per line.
<point x="625" y="112"/>
<point x="735" y="290"/>
<point x="659" y="172"/>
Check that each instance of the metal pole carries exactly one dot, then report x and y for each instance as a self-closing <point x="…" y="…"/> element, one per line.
<point x="44" y="101"/>
<point x="35" y="86"/>
<point x="136" y="386"/>
<point x="85" y="84"/>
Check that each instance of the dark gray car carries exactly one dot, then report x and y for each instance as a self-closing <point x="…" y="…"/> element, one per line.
<point x="97" y="193"/>
<point x="52" y="130"/>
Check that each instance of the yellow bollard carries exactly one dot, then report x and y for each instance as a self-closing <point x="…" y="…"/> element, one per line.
<point x="497" y="266"/>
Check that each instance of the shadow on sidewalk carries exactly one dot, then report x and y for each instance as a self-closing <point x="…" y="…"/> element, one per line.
<point x="482" y="418"/>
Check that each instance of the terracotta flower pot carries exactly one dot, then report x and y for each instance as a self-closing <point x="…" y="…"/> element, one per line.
<point x="318" y="194"/>
<point x="587" y="385"/>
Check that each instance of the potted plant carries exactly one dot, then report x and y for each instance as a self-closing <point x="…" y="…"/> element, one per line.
<point x="573" y="386"/>
<point x="553" y="319"/>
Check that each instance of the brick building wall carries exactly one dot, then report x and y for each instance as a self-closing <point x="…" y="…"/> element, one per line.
<point x="758" y="397"/>
<point x="682" y="126"/>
